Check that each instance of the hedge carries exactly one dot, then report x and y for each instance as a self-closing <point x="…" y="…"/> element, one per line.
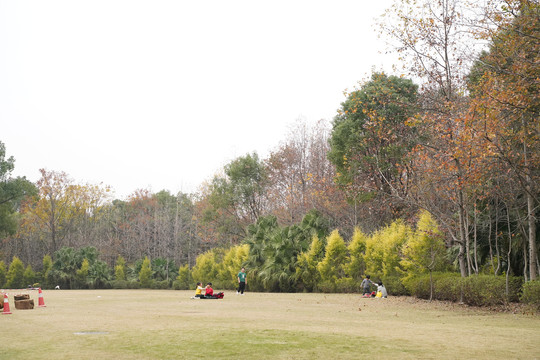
<point x="394" y="286"/>
<point x="476" y="290"/>
<point x="531" y="294"/>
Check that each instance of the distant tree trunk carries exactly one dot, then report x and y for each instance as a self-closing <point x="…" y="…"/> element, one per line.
<point x="475" y="241"/>
<point x="530" y="206"/>
<point x="532" y="236"/>
<point x="463" y="237"/>
<point x="430" y="285"/>
<point x="525" y="265"/>
<point x="508" y="268"/>
<point x="490" y="245"/>
<point x="497" y="239"/>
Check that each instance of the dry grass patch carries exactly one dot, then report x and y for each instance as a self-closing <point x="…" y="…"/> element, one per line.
<point x="162" y="324"/>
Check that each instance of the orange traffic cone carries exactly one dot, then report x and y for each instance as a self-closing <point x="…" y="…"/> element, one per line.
<point x="41" y="302"/>
<point x="6" y="305"/>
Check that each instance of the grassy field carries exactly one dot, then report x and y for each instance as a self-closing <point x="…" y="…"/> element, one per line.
<point x="161" y="324"/>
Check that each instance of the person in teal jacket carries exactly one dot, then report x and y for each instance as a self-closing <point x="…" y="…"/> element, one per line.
<point x="241" y="282"/>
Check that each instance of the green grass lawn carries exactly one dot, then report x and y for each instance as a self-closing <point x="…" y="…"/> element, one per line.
<point x="163" y="324"/>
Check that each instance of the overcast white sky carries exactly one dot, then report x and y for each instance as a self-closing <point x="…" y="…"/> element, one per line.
<point x="162" y="94"/>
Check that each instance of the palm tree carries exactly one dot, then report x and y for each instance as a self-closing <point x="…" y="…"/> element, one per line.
<point x="99" y="275"/>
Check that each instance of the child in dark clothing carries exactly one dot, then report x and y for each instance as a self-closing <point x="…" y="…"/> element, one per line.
<point x="366" y="285"/>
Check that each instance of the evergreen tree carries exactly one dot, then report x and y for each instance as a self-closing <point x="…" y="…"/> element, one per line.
<point x="183" y="280"/>
<point x="424" y="251"/>
<point x="356" y="266"/>
<point x="81" y="276"/>
<point x="145" y="275"/>
<point x="120" y="269"/>
<point x="3" y="274"/>
<point x="15" y="275"/>
<point x="307" y="274"/>
<point x="331" y="268"/>
<point x="29" y="276"/>
<point x="47" y="266"/>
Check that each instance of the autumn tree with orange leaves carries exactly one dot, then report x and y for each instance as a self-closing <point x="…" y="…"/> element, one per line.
<point x="435" y="44"/>
<point x="61" y="207"/>
<point x="505" y="105"/>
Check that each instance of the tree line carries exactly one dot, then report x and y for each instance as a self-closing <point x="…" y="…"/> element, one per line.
<point x="460" y="142"/>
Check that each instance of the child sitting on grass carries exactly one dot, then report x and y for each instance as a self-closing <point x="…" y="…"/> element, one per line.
<point x="198" y="291"/>
<point x="381" y="290"/>
<point x="209" y="291"/>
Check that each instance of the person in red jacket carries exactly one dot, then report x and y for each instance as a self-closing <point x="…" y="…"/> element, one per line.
<point x="209" y="290"/>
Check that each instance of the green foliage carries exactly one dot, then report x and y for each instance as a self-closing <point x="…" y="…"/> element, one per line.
<point x="99" y="275"/>
<point x="3" y="274"/>
<point x="237" y="198"/>
<point x="531" y="294"/>
<point x="183" y="281"/>
<point x="274" y="250"/>
<point x="307" y="275"/>
<point x="356" y="265"/>
<point x="163" y="269"/>
<point x="233" y="259"/>
<point x="145" y="275"/>
<point x="424" y="250"/>
<point x="120" y="269"/>
<point x="331" y="268"/>
<point x="207" y="266"/>
<point x="394" y="286"/>
<point x="370" y="137"/>
<point x="133" y="270"/>
<point x="133" y="284"/>
<point x="257" y="239"/>
<point x="29" y="276"/>
<point x="68" y="272"/>
<point x="160" y="285"/>
<point x="12" y="192"/>
<point x="15" y="275"/>
<point x="348" y="285"/>
<point x="120" y="284"/>
<point x="486" y="290"/>
<point x="446" y="286"/>
<point x="65" y="265"/>
<point x="47" y="266"/>
<point x="478" y="290"/>
<point x="383" y="250"/>
<point x="81" y="276"/>
<point x="247" y="178"/>
<point x="284" y="246"/>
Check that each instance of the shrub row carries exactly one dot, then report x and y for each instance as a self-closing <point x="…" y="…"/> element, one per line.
<point x="531" y="294"/>
<point x="477" y="290"/>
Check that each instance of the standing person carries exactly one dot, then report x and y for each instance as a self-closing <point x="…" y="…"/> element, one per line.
<point x="366" y="285"/>
<point x="241" y="282"/>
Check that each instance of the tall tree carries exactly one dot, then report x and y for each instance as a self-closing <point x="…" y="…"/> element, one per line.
<point x="505" y="103"/>
<point x="61" y="204"/>
<point x="301" y="177"/>
<point x="145" y="274"/>
<point x="356" y="264"/>
<point x="307" y="275"/>
<point x="238" y="198"/>
<point x="371" y="138"/>
<point x="436" y="45"/>
<point x="12" y="193"/>
<point x="331" y="267"/>
<point x="424" y="250"/>
<point x="15" y="274"/>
